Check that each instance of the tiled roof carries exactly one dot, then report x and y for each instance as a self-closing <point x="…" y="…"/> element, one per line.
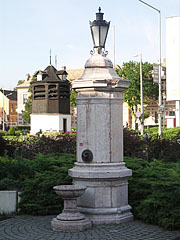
<point x="51" y="74"/>
<point x="74" y="74"/>
<point x="12" y="95"/>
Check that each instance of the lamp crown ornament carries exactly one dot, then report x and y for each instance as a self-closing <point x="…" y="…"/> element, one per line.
<point x="99" y="30"/>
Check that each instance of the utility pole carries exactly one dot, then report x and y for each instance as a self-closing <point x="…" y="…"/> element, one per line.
<point x="141" y="90"/>
<point x="141" y="94"/>
<point x="160" y="84"/>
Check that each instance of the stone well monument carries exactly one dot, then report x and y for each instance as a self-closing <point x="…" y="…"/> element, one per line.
<point x="100" y="165"/>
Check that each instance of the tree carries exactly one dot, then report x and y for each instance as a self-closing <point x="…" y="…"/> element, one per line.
<point x="73" y="96"/>
<point x="28" y="110"/>
<point x="131" y="71"/>
<point x="28" y="105"/>
<point x="19" y="83"/>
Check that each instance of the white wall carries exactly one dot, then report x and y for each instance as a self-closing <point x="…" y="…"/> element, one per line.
<point x="6" y="103"/>
<point x="173" y="58"/>
<point x="49" y="122"/>
<point x="9" y="201"/>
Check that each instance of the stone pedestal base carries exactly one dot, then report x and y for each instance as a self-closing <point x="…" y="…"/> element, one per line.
<point x="108" y="215"/>
<point x="70" y="226"/>
<point x="105" y="200"/>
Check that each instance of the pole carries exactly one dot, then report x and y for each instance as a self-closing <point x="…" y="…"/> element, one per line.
<point x="160" y="99"/>
<point x="141" y="90"/>
<point x="160" y="84"/>
<point x="3" y="111"/>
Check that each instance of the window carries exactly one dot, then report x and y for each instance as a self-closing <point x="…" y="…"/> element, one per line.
<point x="171" y="113"/>
<point x="39" y="92"/>
<point x="52" y="91"/>
<point x="156" y="117"/>
<point x="25" y="98"/>
<point x="12" y="109"/>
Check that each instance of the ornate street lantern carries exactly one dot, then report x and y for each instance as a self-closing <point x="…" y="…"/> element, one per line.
<point x="99" y="31"/>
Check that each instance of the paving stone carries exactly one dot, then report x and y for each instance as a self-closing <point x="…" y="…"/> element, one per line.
<point x="39" y="228"/>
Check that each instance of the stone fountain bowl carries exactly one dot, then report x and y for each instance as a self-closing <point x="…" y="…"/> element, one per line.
<point x="69" y="191"/>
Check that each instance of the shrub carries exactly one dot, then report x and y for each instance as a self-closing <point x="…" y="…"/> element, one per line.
<point x="154" y="188"/>
<point x="133" y="145"/>
<point x="22" y="128"/>
<point x="13" y="172"/>
<point x="2" y="133"/>
<point x="11" y="131"/>
<point x="167" y="133"/>
<point x="38" y="197"/>
<point x="2" y="146"/>
<point x="33" y="145"/>
<point x="10" y="184"/>
<point x="154" y="192"/>
<point x="18" y="133"/>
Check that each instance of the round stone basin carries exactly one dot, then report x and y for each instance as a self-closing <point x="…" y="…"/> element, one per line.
<point x="69" y="191"/>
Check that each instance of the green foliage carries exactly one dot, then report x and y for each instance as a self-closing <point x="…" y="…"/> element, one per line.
<point x="154" y="192"/>
<point x="167" y="133"/>
<point x="2" y="133"/>
<point x="28" y="106"/>
<point x="2" y="146"/>
<point x="162" y="149"/>
<point x="73" y="97"/>
<point x="154" y="188"/>
<point x="22" y="128"/>
<point x="11" y="131"/>
<point x="65" y="143"/>
<point x="19" y="83"/>
<point x="133" y="144"/>
<point x="28" y="110"/>
<point x="131" y="71"/>
<point x="36" y="178"/>
<point x="38" y="197"/>
<point x="13" y="172"/>
<point x="153" y="148"/>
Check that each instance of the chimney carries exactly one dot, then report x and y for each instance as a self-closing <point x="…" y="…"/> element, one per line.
<point x="28" y="76"/>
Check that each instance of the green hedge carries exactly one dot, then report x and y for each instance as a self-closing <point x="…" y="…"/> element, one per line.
<point x="154" y="192"/>
<point x="154" y="188"/>
<point x="22" y="128"/>
<point x="38" y="196"/>
<point x="167" y="133"/>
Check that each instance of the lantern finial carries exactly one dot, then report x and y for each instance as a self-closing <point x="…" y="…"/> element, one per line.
<point x="99" y="30"/>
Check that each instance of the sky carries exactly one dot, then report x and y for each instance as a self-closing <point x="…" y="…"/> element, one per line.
<point x="29" y="29"/>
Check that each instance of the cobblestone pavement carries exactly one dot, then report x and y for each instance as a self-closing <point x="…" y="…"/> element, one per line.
<point x="39" y="228"/>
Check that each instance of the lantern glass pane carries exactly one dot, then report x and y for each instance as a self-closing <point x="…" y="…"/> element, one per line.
<point x="95" y="30"/>
<point x="103" y="33"/>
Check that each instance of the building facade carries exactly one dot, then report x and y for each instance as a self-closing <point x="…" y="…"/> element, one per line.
<point x="173" y="66"/>
<point x="8" y="105"/>
<point x="23" y="94"/>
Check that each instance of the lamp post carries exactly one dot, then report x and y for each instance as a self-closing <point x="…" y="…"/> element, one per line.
<point x="99" y="30"/>
<point x="160" y="85"/>
<point x="3" y="109"/>
<point x="141" y="93"/>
